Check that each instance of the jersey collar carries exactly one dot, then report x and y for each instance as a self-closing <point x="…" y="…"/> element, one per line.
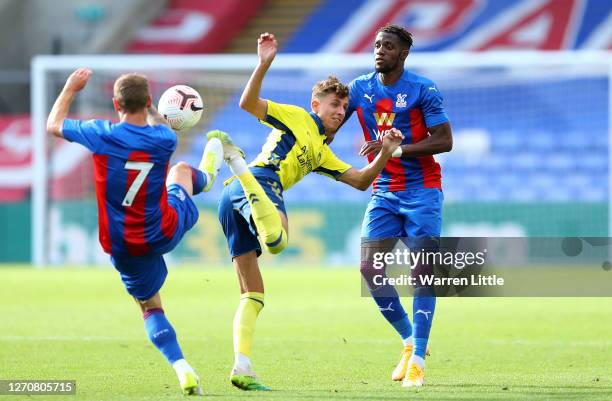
<point x="401" y="78"/>
<point x="317" y="120"/>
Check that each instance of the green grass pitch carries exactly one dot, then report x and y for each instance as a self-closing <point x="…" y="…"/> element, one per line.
<point x="316" y="339"/>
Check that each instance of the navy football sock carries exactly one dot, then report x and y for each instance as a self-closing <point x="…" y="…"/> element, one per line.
<point x="391" y="308"/>
<point x="198" y="180"/>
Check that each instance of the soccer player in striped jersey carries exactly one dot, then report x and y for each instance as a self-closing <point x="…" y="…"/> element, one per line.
<point x="252" y="204"/>
<point x="407" y="195"/>
<point x="143" y="209"/>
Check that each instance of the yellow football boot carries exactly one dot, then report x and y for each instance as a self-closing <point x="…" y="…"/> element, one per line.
<point x="402" y="366"/>
<point x="190" y="383"/>
<point x="415" y="376"/>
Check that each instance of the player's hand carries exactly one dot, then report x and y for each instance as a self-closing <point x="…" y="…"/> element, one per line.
<point x="266" y="48"/>
<point x="370" y="147"/>
<point x="391" y="140"/>
<point x="78" y="79"/>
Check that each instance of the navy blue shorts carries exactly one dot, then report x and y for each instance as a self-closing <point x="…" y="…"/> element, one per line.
<point x="235" y="211"/>
<point x="143" y="276"/>
<point x="187" y="215"/>
<point x="415" y="213"/>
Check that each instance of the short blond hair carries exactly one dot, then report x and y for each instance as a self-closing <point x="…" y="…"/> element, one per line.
<point x="330" y="85"/>
<point x="131" y="92"/>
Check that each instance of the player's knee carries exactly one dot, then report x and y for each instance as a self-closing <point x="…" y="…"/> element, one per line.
<point x="278" y="244"/>
<point x="180" y="174"/>
<point x="368" y="270"/>
<point x="276" y="249"/>
<point x="181" y="168"/>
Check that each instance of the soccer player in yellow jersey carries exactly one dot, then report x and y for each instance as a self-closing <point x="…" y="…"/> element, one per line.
<point x="252" y="205"/>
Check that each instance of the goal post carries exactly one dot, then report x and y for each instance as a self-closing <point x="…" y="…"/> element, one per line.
<point x="498" y="179"/>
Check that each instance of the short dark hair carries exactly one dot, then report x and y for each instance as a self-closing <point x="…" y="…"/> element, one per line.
<point x="132" y="92"/>
<point x="330" y="85"/>
<point x="402" y="34"/>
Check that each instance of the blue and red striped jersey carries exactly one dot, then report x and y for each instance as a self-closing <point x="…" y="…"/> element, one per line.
<point x="130" y="169"/>
<point x="411" y="105"/>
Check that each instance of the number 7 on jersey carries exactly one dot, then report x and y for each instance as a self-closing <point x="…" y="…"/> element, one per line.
<point x="144" y="168"/>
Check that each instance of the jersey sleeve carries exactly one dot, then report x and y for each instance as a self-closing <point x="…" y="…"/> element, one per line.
<point x="331" y="166"/>
<point x="431" y="105"/>
<point x="87" y="133"/>
<point x="281" y="116"/>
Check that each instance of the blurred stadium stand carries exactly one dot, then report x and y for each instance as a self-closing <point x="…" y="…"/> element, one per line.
<point x="286" y="16"/>
<point x="188" y="27"/>
<point x="537" y="151"/>
<point x="349" y="26"/>
<point x="31" y="27"/>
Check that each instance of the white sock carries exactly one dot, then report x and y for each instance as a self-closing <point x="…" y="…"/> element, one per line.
<point x="238" y="166"/>
<point x="242" y="363"/>
<point x="408" y="341"/>
<point x="181" y="366"/>
<point x="418" y="360"/>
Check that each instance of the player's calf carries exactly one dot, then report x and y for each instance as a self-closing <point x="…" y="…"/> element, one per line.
<point x="190" y="179"/>
<point x="388" y="302"/>
<point x="265" y="214"/>
<point x="162" y="335"/>
<point x="197" y="180"/>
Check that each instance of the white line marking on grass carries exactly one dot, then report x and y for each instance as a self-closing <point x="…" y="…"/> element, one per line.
<point x="67" y="338"/>
<point x="334" y="340"/>
<point x="551" y="343"/>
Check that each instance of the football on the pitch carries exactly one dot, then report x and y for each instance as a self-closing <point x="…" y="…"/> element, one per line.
<point x="181" y="106"/>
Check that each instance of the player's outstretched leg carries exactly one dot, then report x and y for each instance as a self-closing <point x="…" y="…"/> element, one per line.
<point x="211" y="161"/>
<point x="162" y="335"/>
<point x="264" y="213"/>
<point x="197" y="180"/>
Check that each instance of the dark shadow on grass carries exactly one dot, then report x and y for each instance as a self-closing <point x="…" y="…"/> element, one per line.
<point x="576" y="387"/>
<point x="513" y="392"/>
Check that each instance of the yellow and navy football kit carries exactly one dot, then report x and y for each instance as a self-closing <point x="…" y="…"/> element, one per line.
<point x="295" y="147"/>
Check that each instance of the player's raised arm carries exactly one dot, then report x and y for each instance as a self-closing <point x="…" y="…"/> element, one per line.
<point x="75" y="83"/>
<point x="154" y="118"/>
<point x="363" y="178"/>
<point x="250" y="100"/>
